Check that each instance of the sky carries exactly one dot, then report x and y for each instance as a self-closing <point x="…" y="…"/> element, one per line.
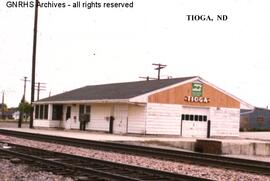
<point x="80" y="46"/>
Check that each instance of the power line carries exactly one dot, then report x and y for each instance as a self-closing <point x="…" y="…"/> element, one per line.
<point x="40" y="87"/>
<point x="148" y="78"/>
<point x="167" y="76"/>
<point x="158" y="68"/>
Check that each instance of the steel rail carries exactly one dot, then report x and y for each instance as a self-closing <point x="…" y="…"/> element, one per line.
<point x="83" y="166"/>
<point x="258" y="167"/>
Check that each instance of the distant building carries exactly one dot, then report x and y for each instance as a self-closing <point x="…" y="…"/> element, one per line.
<point x="8" y="113"/>
<point x="16" y="115"/>
<point x="257" y="119"/>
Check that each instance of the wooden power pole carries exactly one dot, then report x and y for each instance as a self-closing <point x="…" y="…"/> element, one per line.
<point x="40" y="87"/>
<point x="158" y="68"/>
<point x="34" y="64"/>
<point x="2" y="106"/>
<point x="22" y="101"/>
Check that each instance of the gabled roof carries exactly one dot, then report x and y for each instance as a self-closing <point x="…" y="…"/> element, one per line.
<point x="125" y="90"/>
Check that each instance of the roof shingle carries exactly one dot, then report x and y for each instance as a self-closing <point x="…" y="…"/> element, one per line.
<point x="114" y="91"/>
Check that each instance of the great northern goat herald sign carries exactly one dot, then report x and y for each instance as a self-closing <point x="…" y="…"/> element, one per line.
<point x="197" y="89"/>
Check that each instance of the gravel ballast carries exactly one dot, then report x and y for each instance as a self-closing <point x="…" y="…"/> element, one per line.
<point x="14" y="172"/>
<point x="170" y="166"/>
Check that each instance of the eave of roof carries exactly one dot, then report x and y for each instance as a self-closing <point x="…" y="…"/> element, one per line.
<point x="85" y="101"/>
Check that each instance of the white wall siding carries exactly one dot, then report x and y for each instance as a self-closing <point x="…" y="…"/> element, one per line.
<point x="163" y="119"/>
<point x="46" y="123"/>
<point x="136" y="119"/>
<point x="98" y="121"/>
<point x="54" y="124"/>
<point x="41" y="123"/>
<point x="224" y="121"/>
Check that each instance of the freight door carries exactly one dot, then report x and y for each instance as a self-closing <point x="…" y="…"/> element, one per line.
<point x="194" y="122"/>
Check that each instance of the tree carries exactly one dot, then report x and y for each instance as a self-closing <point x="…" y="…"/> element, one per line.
<point x="25" y="108"/>
<point x="5" y="107"/>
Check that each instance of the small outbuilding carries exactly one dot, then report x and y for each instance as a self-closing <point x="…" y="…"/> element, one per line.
<point x="187" y="106"/>
<point x="257" y="119"/>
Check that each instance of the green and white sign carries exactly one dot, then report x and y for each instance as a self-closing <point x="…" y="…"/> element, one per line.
<point x="197" y="89"/>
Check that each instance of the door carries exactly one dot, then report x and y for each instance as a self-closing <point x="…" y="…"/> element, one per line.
<point x="194" y="122"/>
<point x="67" y="118"/>
<point x="121" y="117"/>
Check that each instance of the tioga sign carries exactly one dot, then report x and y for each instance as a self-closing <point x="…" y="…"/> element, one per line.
<point x="197" y="99"/>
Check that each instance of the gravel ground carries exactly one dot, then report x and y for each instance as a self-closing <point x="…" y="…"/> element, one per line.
<point x="199" y="171"/>
<point x="21" y="172"/>
<point x="251" y="157"/>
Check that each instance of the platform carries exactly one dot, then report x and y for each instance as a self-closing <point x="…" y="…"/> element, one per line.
<point x="247" y="144"/>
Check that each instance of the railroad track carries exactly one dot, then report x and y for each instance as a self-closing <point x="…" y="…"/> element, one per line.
<point x="253" y="166"/>
<point x="83" y="168"/>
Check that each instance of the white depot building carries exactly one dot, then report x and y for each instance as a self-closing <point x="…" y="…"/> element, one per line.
<point x="187" y="106"/>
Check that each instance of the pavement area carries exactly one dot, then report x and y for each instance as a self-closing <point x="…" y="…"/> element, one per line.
<point x="264" y="136"/>
<point x="247" y="144"/>
<point x="100" y="136"/>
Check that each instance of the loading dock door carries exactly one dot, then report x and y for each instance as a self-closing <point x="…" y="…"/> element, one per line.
<point x="194" y="122"/>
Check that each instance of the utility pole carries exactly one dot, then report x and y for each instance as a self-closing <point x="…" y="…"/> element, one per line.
<point x="24" y="87"/>
<point x="22" y="101"/>
<point x="40" y="87"/>
<point x="2" y="107"/>
<point x="34" y="65"/>
<point x="159" y="67"/>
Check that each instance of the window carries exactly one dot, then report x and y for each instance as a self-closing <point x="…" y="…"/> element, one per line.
<point x="183" y="117"/>
<point x="191" y="117"/>
<point x="68" y="114"/>
<point x="204" y="118"/>
<point x="87" y="109"/>
<point x="88" y="113"/>
<point x="37" y="112"/>
<point x="41" y="111"/>
<point x="81" y="109"/>
<point x="57" y="112"/>
<point x="46" y="111"/>
<point x="84" y="113"/>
